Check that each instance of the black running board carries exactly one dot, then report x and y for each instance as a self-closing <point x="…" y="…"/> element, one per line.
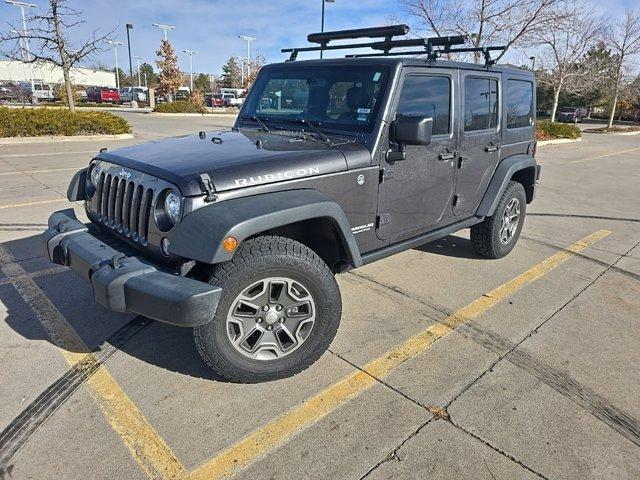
<point x="419" y="240"/>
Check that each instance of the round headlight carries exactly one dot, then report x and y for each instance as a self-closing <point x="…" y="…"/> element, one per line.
<point x="172" y="206"/>
<point x="94" y="176"/>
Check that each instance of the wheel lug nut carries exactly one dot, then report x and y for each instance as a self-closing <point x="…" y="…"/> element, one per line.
<point x="281" y="320"/>
<point x="265" y="308"/>
<point x="278" y="307"/>
<point x="269" y="327"/>
<point x="258" y="320"/>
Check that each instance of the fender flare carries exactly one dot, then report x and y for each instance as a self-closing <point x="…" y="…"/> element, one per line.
<point x="76" y="192"/>
<point x="503" y="174"/>
<point x="200" y="234"/>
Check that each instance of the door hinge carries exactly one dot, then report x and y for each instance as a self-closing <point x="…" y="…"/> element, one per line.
<point x="383" y="219"/>
<point x="461" y="161"/>
<point x="385" y="175"/>
<point x="455" y="200"/>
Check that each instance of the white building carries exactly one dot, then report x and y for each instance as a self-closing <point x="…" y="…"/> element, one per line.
<point x="14" y="71"/>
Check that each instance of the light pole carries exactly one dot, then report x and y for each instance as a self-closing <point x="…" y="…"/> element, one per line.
<point x="130" y="27"/>
<point x="138" y="59"/>
<point x="191" y="54"/>
<point x="533" y="63"/>
<point x="116" y="44"/>
<point x="322" y="23"/>
<point x="247" y="39"/>
<point x="27" y="51"/>
<point x="164" y="27"/>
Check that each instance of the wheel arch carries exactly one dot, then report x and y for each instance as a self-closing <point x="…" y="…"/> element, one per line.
<point x="305" y="215"/>
<point x="520" y="168"/>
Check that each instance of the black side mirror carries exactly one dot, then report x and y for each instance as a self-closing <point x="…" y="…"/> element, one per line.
<point x="409" y="130"/>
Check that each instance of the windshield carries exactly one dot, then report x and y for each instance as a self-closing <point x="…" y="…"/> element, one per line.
<point x="567" y="110"/>
<point x="337" y="97"/>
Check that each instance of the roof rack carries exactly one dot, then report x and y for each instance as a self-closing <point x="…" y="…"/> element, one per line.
<point x="385" y="46"/>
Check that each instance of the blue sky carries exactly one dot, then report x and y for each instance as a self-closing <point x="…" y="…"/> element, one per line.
<point x="212" y="26"/>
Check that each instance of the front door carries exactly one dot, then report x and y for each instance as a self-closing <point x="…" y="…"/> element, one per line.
<point x="479" y="139"/>
<point x="416" y="192"/>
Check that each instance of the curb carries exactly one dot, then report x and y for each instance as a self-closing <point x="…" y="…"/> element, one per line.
<point x="212" y="115"/>
<point x="62" y="138"/>
<point x="635" y="132"/>
<point x="558" y="141"/>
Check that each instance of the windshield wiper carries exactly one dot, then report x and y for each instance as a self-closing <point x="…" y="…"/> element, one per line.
<point x="259" y="121"/>
<point x="314" y="128"/>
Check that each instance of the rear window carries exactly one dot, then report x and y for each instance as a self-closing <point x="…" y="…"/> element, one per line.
<point x="519" y="103"/>
<point x="568" y="110"/>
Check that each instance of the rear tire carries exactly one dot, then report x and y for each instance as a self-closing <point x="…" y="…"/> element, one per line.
<point x="496" y="235"/>
<point x="279" y="311"/>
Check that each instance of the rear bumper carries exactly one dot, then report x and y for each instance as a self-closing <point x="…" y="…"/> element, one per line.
<point x="127" y="284"/>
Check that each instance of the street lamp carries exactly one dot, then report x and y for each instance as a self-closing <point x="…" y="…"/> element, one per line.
<point x="191" y="54"/>
<point x="164" y="27"/>
<point x="130" y="27"/>
<point x="247" y="39"/>
<point x="27" y="52"/>
<point x="138" y="59"/>
<point x="322" y="23"/>
<point x="116" y="44"/>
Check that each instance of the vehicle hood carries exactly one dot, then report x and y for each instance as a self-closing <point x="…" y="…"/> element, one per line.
<point x="232" y="159"/>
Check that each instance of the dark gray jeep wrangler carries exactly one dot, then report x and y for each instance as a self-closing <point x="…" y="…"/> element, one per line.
<point x="331" y="164"/>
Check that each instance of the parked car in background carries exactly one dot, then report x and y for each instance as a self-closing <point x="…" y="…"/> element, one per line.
<point x="572" y="114"/>
<point x="231" y="100"/>
<point x="182" y="95"/>
<point x="103" y="94"/>
<point x="40" y="91"/>
<point x="139" y="94"/>
<point x="10" y="92"/>
<point x="215" y="100"/>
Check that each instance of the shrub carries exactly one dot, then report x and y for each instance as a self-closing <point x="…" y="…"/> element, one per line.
<point x="552" y="130"/>
<point x="180" y="106"/>
<point x="34" y="122"/>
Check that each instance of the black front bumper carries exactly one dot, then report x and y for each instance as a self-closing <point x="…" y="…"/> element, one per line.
<point x="126" y="283"/>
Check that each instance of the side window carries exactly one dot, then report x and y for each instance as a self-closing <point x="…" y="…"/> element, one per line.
<point x="480" y="104"/>
<point x="519" y="103"/>
<point x="429" y="96"/>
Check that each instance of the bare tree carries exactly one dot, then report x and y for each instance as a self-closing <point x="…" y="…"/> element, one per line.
<point x="624" y="41"/>
<point x="169" y="76"/>
<point x="506" y="22"/>
<point x="564" y="45"/>
<point x="48" y="34"/>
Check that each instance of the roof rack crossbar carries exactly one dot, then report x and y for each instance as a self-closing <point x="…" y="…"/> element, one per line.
<point x="373" y="32"/>
<point x="433" y="53"/>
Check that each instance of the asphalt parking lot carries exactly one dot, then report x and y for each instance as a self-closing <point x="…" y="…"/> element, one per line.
<point x="446" y="365"/>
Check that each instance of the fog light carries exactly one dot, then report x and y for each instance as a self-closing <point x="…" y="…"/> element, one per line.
<point x="230" y="244"/>
<point x="164" y="245"/>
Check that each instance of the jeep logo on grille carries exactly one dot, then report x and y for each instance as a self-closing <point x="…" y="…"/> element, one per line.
<point x="125" y="174"/>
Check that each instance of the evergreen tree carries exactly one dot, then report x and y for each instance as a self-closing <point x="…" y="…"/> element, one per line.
<point x="201" y="83"/>
<point x="231" y="74"/>
<point x="146" y="69"/>
<point x="169" y="78"/>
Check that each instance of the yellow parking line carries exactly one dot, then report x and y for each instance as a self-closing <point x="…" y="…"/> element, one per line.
<point x="612" y="154"/>
<point x="150" y="451"/>
<point x="276" y="433"/>
<point x="28" y="204"/>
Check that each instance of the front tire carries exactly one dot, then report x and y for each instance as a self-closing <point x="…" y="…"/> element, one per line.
<point x="279" y="311"/>
<point x="496" y="235"/>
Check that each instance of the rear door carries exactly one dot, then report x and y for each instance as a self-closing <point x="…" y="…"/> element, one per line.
<point x="416" y="192"/>
<point x="480" y="137"/>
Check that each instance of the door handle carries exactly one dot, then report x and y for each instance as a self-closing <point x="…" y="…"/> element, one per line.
<point x="492" y="148"/>
<point x="446" y="156"/>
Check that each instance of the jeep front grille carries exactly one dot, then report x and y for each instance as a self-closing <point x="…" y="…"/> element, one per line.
<point x="124" y="206"/>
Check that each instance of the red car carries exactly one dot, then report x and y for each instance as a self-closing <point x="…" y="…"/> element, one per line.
<point x="103" y="94"/>
<point x="215" y="100"/>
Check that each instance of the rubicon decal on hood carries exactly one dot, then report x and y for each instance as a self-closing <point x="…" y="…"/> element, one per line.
<point x="277" y="176"/>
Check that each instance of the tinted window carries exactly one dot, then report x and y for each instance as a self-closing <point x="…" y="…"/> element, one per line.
<point x="519" y="103"/>
<point x="427" y="96"/>
<point x="480" y="104"/>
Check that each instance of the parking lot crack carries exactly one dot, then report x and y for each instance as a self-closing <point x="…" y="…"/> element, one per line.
<point x="592" y="402"/>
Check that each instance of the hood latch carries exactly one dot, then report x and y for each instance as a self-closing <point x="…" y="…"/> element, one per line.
<point x="207" y="185"/>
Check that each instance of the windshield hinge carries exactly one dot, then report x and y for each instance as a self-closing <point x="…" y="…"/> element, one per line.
<point x="207" y="185"/>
